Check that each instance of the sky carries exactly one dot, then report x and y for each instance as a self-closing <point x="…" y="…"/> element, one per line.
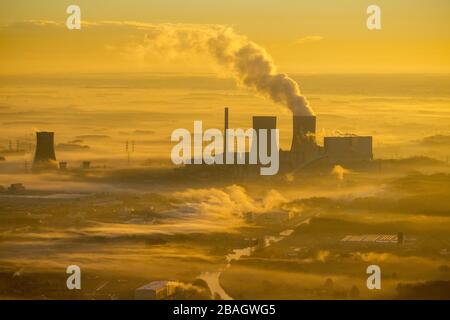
<point x="322" y="36"/>
<point x="123" y="78"/>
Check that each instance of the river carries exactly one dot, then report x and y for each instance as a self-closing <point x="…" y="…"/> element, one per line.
<point x="212" y="279"/>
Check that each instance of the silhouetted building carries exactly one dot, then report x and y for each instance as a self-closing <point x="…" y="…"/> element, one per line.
<point x="156" y="290"/>
<point x="16" y="188"/>
<point x="371" y="238"/>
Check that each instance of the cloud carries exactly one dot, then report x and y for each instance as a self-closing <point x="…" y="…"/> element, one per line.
<point x="228" y="203"/>
<point x="36" y="23"/>
<point x="308" y="39"/>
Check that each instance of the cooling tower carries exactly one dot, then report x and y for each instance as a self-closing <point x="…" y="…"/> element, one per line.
<point x="44" y="156"/>
<point x="264" y="122"/>
<point x="304" y="137"/>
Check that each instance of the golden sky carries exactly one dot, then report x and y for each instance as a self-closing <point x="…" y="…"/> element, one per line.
<point x="323" y="36"/>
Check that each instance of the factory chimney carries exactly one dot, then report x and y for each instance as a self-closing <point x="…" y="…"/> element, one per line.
<point x="225" y="142"/>
<point x="304" y="137"/>
<point x="44" y="157"/>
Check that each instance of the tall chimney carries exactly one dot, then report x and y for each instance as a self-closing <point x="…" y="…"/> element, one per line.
<point x="304" y="137"/>
<point x="225" y="142"/>
<point x="44" y="156"/>
<point x="264" y="122"/>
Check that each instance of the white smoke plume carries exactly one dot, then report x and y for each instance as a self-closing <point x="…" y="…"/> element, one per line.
<point x="339" y="172"/>
<point x="232" y="201"/>
<point x="249" y="63"/>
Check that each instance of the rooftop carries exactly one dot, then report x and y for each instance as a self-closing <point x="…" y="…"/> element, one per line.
<point x="380" y="238"/>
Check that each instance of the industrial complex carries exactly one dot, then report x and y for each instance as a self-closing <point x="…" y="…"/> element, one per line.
<point x="305" y="152"/>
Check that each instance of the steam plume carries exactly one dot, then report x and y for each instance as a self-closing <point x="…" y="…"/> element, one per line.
<point x="339" y="171"/>
<point x="249" y="63"/>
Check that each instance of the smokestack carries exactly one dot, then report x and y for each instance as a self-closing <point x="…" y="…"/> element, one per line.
<point x="225" y="142"/>
<point x="264" y="122"/>
<point x="303" y="136"/>
<point x="44" y="156"/>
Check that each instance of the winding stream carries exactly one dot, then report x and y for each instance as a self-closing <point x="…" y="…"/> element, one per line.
<point x="213" y="278"/>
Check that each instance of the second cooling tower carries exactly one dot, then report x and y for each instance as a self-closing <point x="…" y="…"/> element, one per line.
<point x="304" y="138"/>
<point x="264" y="122"/>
